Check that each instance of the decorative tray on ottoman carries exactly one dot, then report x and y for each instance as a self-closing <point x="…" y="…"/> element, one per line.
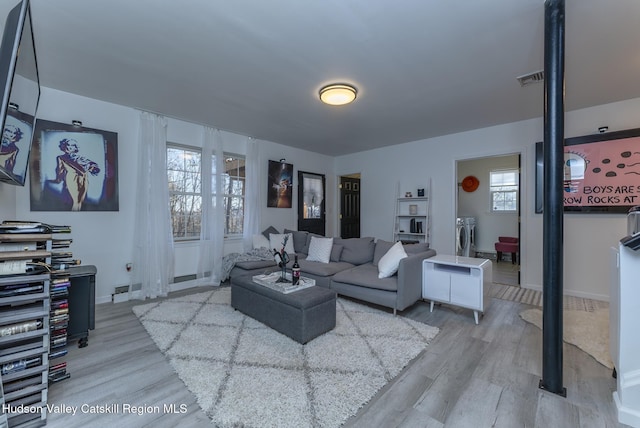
<point x="270" y="280"/>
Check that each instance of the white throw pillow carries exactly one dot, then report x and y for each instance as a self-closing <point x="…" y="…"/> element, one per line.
<point x="275" y="241"/>
<point x="388" y="264"/>
<point x="320" y="249"/>
<point x="260" y="241"/>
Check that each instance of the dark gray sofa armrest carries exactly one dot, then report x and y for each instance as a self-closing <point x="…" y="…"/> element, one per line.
<point x="410" y="279"/>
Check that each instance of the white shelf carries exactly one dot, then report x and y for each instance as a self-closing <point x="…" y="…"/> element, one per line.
<point x="412" y="220"/>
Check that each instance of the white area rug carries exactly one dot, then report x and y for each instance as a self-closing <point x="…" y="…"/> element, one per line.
<point x="588" y="331"/>
<point x="246" y="374"/>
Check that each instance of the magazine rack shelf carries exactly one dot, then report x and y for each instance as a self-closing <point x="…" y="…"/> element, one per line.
<point x="24" y="326"/>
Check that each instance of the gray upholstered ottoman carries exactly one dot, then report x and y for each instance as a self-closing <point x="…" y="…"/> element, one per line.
<point x="301" y="315"/>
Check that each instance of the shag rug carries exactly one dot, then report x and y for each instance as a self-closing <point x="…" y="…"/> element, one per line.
<point x="588" y="331"/>
<point x="245" y="374"/>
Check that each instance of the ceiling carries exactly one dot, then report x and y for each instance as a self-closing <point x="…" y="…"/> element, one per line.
<point x="254" y="67"/>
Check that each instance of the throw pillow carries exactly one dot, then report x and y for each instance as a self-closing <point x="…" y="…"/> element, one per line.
<point x="269" y="230"/>
<point x="305" y="250"/>
<point x="276" y="240"/>
<point x="259" y="241"/>
<point x="388" y="264"/>
<point x="320" y="249"/>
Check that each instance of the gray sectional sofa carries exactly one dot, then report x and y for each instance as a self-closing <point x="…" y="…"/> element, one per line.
<point x="353" y="270"/>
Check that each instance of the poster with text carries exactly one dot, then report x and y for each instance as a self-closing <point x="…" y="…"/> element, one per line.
<point x="602" y="174"/>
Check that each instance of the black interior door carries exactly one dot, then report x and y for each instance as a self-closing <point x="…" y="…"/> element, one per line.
<point x="349" y="207"/>
<point x="311" y="202"/>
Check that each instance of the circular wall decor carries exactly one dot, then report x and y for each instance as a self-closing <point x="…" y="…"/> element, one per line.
<point x="470" y="183"/>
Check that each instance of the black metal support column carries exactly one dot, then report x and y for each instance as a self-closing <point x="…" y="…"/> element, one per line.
<point x="552" y="322"/>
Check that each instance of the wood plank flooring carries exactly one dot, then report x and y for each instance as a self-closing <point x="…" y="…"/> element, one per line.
<point x="471" y="375"/>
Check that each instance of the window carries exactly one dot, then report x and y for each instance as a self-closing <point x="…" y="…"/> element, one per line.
<point x="185" y="191"/>
<point x="504" y="190"/>
<point x="184" y="169"/>
<point x="233" y="193"/>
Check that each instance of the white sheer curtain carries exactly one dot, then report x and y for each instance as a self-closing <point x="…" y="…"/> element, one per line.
<point x="153" y="250"/>
<point x="251" y="194"/>
<point x="212" y="228"/>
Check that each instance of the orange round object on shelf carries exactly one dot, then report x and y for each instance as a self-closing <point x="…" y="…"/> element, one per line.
<point x="470" y="183"/>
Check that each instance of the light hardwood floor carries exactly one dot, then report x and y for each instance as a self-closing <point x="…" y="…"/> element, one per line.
<point x="470" y="376"/>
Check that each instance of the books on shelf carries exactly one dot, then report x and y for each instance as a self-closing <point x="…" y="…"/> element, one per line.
<point x="23" y="327"/>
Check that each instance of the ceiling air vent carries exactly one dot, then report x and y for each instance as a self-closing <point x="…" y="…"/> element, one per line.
<point x="528" y="79"/>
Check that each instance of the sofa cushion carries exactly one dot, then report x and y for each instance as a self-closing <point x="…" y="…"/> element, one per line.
<point x="356" y="251"/>
<point x="366" y="275"/>
<point x="322" y="269"/>
<point x="336" y="252"/>
<point x="381" y="249"/>
<point x="276" y="240"/>
<point x="416" y="248"/>
<point x="320" y="249"/>
<point x="299" y="239"/>
<point x="389" y="263"/>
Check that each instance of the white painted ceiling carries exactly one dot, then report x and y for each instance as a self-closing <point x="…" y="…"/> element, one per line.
<point x="423" y="68"/>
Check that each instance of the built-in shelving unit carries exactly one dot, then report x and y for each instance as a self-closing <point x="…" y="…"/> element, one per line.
<point x="412" y="215"/>
<point x="24" y="325"/>
<point x="61" y="259"/>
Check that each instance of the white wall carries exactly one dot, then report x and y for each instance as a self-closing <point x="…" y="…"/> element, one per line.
<point x="7" y="202"/>
<point x="489" y="224"/>
<point x="587" y="237"/>
<point x="105" y="239"/>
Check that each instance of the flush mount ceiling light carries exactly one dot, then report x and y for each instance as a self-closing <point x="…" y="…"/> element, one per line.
<point x="338" y="94"/>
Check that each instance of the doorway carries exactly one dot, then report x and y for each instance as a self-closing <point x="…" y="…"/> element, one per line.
<point x="489" y="208"/>
<point x="350" y="206"/>
<point x="311" y="202"/>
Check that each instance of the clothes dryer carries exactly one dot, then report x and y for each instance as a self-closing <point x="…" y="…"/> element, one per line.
<point x="466" y="236"/>
<point x="462" y="240"/>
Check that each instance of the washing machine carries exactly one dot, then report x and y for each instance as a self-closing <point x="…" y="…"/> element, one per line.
<point x="466" y="236"/>
<point x="461" y="237"/>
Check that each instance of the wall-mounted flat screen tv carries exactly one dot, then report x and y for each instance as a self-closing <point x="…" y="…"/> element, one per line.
<point x="20" y="94"/>
<point x="601" y="172"/>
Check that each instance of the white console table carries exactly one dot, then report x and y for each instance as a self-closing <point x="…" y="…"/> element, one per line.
<point x="624" y="319"/>
<point x="460" y="281"/>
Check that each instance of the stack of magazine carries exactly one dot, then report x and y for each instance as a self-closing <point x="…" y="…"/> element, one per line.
<point x="14" y="226"/>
